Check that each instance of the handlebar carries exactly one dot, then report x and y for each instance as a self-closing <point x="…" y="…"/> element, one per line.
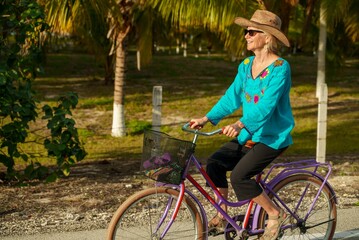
<point x="198" y="132"/>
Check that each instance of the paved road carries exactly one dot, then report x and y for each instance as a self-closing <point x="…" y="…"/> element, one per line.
<point x="347" y="228"/>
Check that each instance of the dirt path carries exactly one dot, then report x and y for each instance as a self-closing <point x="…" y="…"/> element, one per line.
<point x="88" y="198"/>
<point x="347" y="229"/>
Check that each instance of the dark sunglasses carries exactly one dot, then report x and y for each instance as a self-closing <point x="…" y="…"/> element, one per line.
<point x="251" y="32"/>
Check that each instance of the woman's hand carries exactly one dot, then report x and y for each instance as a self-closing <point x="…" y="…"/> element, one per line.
<point x="232" y="130"/>
<point x="198" y="123"/>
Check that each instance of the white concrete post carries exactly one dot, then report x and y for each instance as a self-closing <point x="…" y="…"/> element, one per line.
<point x="138" y="60"/>
<point x="322" y="90"/>
<point x="185" y="45"/>
<point x="322" y="122"/>
<point x="156" y="109"/>
<point x="321" y="51"/>
<point x="178" y="46"/>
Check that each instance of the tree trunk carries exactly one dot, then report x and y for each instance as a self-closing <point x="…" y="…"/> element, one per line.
<point x="118" y="121"/>
<point x="109" y="69"/>
<point x="284" y="14"/>
<point x="308" y="19"/>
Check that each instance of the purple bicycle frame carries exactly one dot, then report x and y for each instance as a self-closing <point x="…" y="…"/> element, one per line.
<point x="289" y="169"/>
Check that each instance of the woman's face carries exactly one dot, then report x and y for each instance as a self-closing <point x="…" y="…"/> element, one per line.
<point x="256" y="39"/>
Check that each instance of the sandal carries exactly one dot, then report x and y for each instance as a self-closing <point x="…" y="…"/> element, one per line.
<point x="269" y="234"/>
<point x="216" y="225"/>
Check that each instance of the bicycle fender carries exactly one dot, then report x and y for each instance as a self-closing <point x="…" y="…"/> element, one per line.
<point x="280" y="177"/>
<point x="201" y="208"/>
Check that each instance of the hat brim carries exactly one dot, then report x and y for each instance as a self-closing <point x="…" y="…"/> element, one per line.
<point x="269" y="29"/>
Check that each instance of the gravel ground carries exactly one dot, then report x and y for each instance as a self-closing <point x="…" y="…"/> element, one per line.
<point x="88" y="198"/>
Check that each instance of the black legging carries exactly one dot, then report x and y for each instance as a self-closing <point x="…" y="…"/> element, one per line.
<point x="244" y="163"/>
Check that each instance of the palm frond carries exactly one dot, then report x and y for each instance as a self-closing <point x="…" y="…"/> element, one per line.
<point x="351" y="21"/>
<point x="214" y="15"/>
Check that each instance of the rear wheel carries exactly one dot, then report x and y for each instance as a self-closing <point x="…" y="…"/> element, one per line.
<point x="298" y="193"/>
<point x="143" y="216"/>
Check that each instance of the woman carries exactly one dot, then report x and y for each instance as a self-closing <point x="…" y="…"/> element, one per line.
<point x="261" y="88"/>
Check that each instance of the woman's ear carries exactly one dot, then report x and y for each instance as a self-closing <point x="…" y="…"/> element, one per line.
<point x="267" y="39"/>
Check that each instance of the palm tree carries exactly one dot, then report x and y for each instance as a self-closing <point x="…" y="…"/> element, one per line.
<point x="96" y="19"/>
<point x="212" y="15"/>
<point x="124" y="15"/>
<point x="120" y="21"/>
<point x="283" y="9"/>
<point x="309" y="10"/>
<point x="343" y="27"/>
<point x="83" y="20"/>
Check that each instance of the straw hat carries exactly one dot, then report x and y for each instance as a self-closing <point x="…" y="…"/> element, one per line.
<point x="266" y="21"/>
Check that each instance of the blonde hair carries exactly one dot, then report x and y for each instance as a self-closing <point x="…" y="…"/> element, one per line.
<point x="272" y="44"/>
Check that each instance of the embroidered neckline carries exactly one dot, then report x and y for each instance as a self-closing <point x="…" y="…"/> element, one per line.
<point x="264" y="73"/>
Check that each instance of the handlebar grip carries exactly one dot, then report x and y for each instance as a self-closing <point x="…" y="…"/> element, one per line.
<point x="196" y="131"/>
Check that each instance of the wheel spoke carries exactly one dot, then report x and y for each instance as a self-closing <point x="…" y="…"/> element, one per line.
<point x="298" y="193"/>
<point x="147" y="214"/>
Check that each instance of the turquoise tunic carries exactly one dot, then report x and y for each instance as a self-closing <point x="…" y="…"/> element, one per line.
<point x="265" y="102"/>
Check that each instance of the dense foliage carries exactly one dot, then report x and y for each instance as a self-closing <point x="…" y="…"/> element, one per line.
<point x="22" y="26"/>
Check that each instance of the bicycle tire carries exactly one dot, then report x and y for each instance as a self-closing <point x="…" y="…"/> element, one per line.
<point x="139" y="215"/>
<point x="322" y="220"/>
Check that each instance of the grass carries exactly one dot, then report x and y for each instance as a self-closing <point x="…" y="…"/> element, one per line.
<point x="190" y="88"/>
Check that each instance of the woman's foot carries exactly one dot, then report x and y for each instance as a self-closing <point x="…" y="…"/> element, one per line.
<point x="273" y="226"/>
<point x="217" y="225"/>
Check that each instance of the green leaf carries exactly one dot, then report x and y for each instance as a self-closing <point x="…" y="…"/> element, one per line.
<point x="29" y="171"/>
<point x="48" y="111"/>
<point x="66" y="170"/>
<point x="7" y="161"/>
<point x="2" y="80"/>
<point x="22" y="22"/>
<point x="52" y="177"/>
<point x="24" y="157"/>
<point x="65" y="136"/>
<point x="42" y="172"/>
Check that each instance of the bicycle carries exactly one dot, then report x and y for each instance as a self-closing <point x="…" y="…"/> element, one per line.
<point x="171" y="211"/>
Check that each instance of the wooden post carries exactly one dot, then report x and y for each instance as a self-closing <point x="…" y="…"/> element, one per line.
<point x="156" y="110"/>
<point x="322" y="123"/>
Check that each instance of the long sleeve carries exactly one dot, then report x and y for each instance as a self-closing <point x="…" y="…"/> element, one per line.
<point x="229" y="102"/>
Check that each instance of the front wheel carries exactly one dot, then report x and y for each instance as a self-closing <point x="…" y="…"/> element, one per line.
<point x="146" y="214"/>
<point x="298" y="193"/>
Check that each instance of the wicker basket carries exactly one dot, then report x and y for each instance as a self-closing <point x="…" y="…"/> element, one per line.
<point x="164" y="158"/>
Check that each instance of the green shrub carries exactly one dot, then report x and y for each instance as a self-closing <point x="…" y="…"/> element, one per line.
<point x="138" y="127"/>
